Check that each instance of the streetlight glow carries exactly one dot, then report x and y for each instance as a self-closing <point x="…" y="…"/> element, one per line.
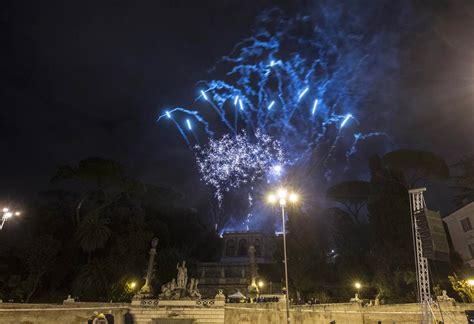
<point x="282" y="195"/>
<point x="7" y="214"/>
<point x="272" y="198"/>
<point x="293" y="197"/>
<point x="282" y="192"/>
<point x="357" y="285"/>
<point x="470" y="282"/>
<point x="261" y="284"/>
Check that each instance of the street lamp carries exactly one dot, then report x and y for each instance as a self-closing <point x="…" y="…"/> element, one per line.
<point x="357" y="286"/>
<point x="6" y="214"/>
<point x="470" y="282"/>
<point x="282" y="197"/>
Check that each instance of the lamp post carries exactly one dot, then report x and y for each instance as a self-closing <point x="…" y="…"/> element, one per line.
<point x="357" y="286"/>
<point x="6" y="214"/>
<point x="261" y="285"/>
<point x="282" y="197"/>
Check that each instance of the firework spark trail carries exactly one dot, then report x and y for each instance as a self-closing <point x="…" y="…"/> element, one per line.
<point x="358" y="137"/>
<point x="233" y="161"/>
<point x="298" y="88"/>
<point x="169" y="115"/>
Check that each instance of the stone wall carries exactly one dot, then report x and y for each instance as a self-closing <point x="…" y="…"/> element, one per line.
<point x="199" y="315"/>
<point x="340" y="313"/>
<point x="77" y="313"/>
<point x="271" y="313"/>
<point x="200" y="312"/>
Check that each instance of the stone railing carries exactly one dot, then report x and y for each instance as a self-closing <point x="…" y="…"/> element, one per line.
<point x="72" y="313"/>
<point x="178" y="303"/>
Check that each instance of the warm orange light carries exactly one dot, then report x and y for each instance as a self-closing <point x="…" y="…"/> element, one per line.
<point x="272" y="198"/>
<point x="293" y="198"/>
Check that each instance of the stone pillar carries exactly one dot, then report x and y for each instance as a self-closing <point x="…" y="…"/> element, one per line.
<point x="146" y="291"/>
<point x="253" y="288"/>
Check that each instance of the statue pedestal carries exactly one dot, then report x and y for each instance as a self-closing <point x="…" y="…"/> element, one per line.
<point x="177" y="303"/>
<point x="136" y="302"/>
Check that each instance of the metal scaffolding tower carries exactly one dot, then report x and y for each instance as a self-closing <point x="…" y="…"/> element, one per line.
<point x="417" y="207"/>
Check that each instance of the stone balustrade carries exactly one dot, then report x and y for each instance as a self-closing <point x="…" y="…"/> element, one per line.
<point x="216" y="311"/>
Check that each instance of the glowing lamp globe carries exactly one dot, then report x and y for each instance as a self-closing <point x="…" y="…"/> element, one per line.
<point x="272" y="199"/>
<point x="282" y="193"/>
<point x="293" y="198"/>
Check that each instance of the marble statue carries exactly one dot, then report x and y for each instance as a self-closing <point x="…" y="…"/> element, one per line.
<point x="356" y="299"/>
<point x="193" y="290"/>
<point x="69" y="300"/>
<point x="182" y="277"/>
<point x="179" y="288"/>
<point x="165" y="291"/>
<point x="444" y="297"/>
<point x="220" y="295"/>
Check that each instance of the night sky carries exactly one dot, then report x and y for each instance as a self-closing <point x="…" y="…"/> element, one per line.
<point x="89" y="78"/>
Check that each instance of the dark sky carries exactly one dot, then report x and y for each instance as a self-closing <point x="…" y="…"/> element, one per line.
<point x="84" y="78"/>
<point x="88" y="78"/>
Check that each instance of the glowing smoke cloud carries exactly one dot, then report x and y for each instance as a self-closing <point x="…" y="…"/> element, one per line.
<point x="293" y="87"/>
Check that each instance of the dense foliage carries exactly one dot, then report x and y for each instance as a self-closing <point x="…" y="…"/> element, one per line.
<point x="89" y="236"/>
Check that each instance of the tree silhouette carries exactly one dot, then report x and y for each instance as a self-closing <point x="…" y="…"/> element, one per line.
<point x="413" y="166"/>
<point x="465" y="181"/>
<point x="353" y="195"/>
<point x="93" y="232"/>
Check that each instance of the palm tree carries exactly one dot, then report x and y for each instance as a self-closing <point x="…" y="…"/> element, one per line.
<point x="94" y="280"/>
<point x="93" y="232"/>
<point x="108" y="183"/>
<point x="102" y="173"/>
<point x="99" y="174"/>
